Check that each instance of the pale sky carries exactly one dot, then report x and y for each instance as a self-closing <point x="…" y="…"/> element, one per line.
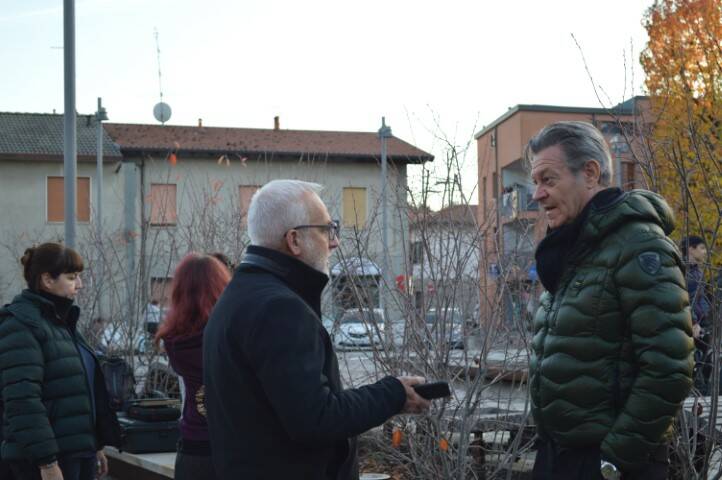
<point x="443" y="68"/>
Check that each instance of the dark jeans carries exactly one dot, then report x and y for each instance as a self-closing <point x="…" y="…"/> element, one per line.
<point x="6" y="472"/>
<point x="72" y="468"/>
<point x="555" y="463"/>
<point x="192" y="467"/>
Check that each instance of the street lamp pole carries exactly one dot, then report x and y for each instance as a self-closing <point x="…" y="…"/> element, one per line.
<point x="70" y="154"/>
<point x="100" y="115"/>
<point x="384" y="134"/>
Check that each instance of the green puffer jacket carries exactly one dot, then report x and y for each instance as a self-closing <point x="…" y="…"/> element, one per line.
<point x="612" y="350"/>
<point x="45" y="391"/>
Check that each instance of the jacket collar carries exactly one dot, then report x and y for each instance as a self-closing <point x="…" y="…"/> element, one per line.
<point x="631" y="206"/>
<point x="306" y="281"/>
<point x="563" y="243"/>
<point x="47" y="308"/>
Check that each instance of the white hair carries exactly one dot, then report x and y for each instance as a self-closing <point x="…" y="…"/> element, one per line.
<point x="276" y="208"/>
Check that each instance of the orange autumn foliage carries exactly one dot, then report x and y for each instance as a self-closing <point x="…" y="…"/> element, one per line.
<point x="396" y="437"/>
<point x="683" y="66"/>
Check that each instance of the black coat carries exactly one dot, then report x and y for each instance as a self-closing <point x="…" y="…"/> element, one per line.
<point x="276" y="409"/>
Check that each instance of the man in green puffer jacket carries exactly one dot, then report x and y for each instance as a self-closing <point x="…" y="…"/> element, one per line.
<point x="612" y="349"/>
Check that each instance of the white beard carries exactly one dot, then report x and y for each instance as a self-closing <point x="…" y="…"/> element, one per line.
<point x="316" y="259"/>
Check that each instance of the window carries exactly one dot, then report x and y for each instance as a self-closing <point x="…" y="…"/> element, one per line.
<point x="160" y="290"/>
<point x="483" y="183"/>
<point x="417" y="252"/>
<point x="56" y="199"/>
<point x="163" y="204"/>
<point x="628" y="170"/>
<point x="354" y="207"/>
<point x="245" y="193"/>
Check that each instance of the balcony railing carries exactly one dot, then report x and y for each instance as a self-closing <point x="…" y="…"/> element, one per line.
<point x="517" y="200"/>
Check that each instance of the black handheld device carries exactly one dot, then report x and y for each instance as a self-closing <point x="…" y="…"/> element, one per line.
<point x="433" y="390"/>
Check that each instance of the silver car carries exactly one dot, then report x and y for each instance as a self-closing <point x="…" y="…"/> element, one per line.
<point x="359" y="328"/>
<point x="445" y="327"/>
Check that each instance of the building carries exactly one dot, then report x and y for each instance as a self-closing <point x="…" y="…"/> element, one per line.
<point x="172" y="189"/>
<point x="510" y="219"/>
<point x="32" y="186"/>
<point x="444" y="256"/>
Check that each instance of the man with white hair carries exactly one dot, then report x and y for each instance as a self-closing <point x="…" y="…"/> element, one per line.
<point x="276" y="408"/>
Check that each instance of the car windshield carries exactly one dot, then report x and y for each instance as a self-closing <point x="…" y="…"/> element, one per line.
<point x="358" y="317"/>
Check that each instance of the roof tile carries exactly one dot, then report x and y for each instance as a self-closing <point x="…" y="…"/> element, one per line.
<point x="42" y="134"/>
<point x="250" y="140"/>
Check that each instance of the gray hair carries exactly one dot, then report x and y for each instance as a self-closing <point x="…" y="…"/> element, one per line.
<point x="580" y="142"/>
<point x="276" y="208"/>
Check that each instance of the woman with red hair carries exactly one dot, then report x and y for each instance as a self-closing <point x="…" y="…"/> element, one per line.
<point x="198" y="281"/>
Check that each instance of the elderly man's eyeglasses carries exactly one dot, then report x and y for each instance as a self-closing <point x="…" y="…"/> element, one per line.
<point x="333" y="228"/>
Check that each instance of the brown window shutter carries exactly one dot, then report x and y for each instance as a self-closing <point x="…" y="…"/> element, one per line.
<point x="56" y="199"/>
<point x="163" y="204"/>
<point x="245" y="193"/>
<point x="83" y="207"/>
<point x="354" y="207"/>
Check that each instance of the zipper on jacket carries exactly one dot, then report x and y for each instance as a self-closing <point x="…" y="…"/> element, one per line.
<point x="87" y="386"/>
<point x="547" y="326"/>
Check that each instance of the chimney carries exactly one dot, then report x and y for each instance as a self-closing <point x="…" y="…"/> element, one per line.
<point x="200" y="122"/>
<point x="276" y="123"/>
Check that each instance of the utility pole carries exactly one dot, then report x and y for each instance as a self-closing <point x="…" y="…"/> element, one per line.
<point x="387" y="280"/>
<point x="384" y="133"/>
<point x="70" y="156"/>
<point x="100" y="115"/>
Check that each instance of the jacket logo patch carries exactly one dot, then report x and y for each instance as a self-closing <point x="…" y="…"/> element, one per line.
<point x="650" y="262"/>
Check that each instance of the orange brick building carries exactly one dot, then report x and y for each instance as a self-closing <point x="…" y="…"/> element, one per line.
<point x="507" y="214"/>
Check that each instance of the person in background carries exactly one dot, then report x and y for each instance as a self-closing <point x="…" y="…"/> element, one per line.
<point x="152" y="316"/>
<point x="198" y="281"/>
<point x="56" y="417"/>
<point x="694" y="251"/>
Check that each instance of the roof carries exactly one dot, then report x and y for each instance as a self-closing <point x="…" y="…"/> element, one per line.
<point x="40" y="136"/>
<point x="625" y="108"/>
<point x="363" y="145"/>
<point x="452" y="215"/>
<point x="459" y="214"/>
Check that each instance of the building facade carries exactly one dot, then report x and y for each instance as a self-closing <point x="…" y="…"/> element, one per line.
<point x="510" y="219"/>
<point x="169" y="190"/>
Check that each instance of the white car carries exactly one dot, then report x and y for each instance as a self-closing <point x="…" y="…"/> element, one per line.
<point x="359" y="328"/>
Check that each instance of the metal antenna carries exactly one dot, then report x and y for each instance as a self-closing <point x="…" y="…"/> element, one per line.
<point x="162" y="118"/>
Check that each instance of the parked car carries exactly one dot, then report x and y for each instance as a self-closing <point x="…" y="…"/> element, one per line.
<point x="359" y="328"/>
<point x="446" y="325"/>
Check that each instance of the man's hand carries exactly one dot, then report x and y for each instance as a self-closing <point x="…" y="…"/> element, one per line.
<point x="51" y="473"/>
<point x="696" y="330"/>
<point x="102" y="464"/>
<point x="414" y="402"/>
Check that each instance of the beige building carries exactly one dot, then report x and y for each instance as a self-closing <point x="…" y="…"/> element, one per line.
<point x="32" y="187"/>
<point x="509" y="218"/>
<point x="172" y="189"/>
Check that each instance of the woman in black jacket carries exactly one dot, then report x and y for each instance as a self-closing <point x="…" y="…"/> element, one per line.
<point x="56" y="417"/>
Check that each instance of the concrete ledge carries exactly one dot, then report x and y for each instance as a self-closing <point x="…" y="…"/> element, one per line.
<point x="162" y="464"/>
